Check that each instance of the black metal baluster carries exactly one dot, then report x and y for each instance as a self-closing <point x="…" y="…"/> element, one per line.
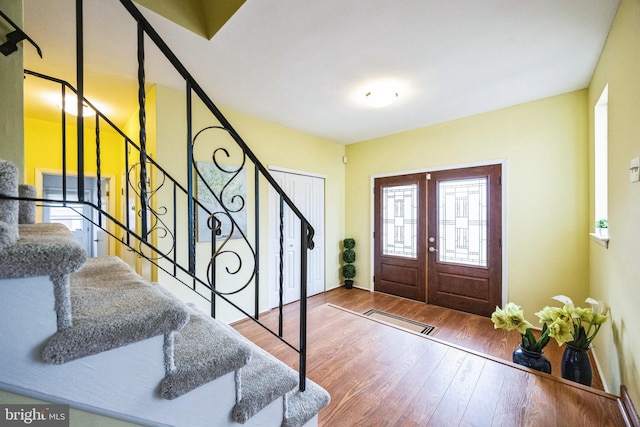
<point x="80" y="95"/>
<point x="191" y="215"/>
<point x="64" y="146"/>
<point x="281" y="269"/>
<point x="175" y="227"/>
<point x="126" y="191"/>
<point x="215" y="225"/>
<point x="256" y="210"/>
<point x="98" y="171"/>
<point x="143" y="134"/>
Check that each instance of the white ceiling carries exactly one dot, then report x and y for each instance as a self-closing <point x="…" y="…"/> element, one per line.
<point x="300" y="63"/>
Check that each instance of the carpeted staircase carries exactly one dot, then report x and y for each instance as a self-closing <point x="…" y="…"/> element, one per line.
<point x="122" y="346"/>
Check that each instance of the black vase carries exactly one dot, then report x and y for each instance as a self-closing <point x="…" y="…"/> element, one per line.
<point x="531" y="359"/>
<point x="576" y="365"/>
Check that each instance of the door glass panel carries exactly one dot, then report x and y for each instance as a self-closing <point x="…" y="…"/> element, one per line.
<point x="399" y="220"/>
<point x="68" y="216"/>
<point x="462" y="221"/>
<point x="75" y="216"/>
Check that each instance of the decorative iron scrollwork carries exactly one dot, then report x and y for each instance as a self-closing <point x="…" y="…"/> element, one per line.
<point x="156" y="226"/>
<point x="229" y="205"/>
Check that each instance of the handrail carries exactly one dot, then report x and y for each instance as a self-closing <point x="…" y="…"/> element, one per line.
<point x="146" y="167"/>
<point x="14" y="37"/>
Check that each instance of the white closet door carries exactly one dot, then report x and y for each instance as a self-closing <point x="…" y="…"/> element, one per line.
<point x="307" y="193"/>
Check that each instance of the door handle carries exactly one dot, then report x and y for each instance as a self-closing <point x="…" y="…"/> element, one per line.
<point x="432" y="249"/>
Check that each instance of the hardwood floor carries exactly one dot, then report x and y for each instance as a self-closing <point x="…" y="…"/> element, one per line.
<point x="378" y="375"/>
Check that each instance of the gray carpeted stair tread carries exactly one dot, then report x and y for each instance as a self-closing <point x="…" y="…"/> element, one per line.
<point x="262" y="381"/>
<point x="300" y="407"/>
<point x="111" y="307"/>
<point x="42" y="250"/>
<point x="202" y="351"/>
<point x="265" y="379"/>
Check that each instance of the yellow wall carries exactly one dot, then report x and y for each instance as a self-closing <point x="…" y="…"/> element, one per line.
<point x="615" y="272"/>
<point x="544" y="146"/>
<point x="274" y="145"/>
<point x="43" y="149"/>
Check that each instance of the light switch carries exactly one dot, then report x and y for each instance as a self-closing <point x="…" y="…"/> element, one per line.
<point x="634" y="170"/>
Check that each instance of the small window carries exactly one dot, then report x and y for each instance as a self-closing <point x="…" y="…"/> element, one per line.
<point x="601" y="118"/>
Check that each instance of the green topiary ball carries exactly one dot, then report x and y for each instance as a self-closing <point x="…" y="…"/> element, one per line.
<point x="349" y="243"/>
<point x="349" y="271"/>
<point x="349" y="256"/>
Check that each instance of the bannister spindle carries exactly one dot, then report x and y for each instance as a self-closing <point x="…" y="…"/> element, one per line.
<point x="215" y="225"/>
<point x="256" y="218"/>
<point x="64" y="145"/>
<point x="191" y="215"/>
<point x="142" y="117"/>
<point x="175" y="227"/>
<point x="80" y="95"/>
<point x="126" y="189"/>
<point x="281" y="269"/>
<point x="98" y="172"/>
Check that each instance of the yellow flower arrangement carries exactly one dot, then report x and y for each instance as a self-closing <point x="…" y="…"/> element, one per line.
<point x="574" y="325"/>
<point x="512" y="318"/>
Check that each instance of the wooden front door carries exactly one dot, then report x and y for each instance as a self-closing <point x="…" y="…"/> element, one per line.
<point x="400" y="235"/>
<point x="465" y="232"/>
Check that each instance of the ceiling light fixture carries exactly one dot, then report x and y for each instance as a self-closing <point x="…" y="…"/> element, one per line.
<point x="378" y="93"/>
<point x="71" y="106"/>
<point x="380" y="98"/>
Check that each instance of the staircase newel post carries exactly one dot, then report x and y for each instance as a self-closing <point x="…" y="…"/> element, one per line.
<point x="80" y="96"/>
<point x="305" y="244"/>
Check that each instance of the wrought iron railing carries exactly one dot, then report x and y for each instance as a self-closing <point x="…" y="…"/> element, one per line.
<point x="157" y="197"/>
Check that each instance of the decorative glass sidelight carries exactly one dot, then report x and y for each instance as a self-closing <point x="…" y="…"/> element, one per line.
<point x="462" y="221"/>
<point x="399" y="220"/>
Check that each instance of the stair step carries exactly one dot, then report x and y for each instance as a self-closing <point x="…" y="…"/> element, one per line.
<point x="262" y="381"/>
<point x="266" y="379"/>
<point x="300" y="407"/>
<point x="111" y="307"/>
<point x="42" y="250"/>
<point x="203" y="351"/>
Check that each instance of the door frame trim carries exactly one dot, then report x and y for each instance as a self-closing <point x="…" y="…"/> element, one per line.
<point x="296" y="172"/>
<point x="505" y="182"/>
